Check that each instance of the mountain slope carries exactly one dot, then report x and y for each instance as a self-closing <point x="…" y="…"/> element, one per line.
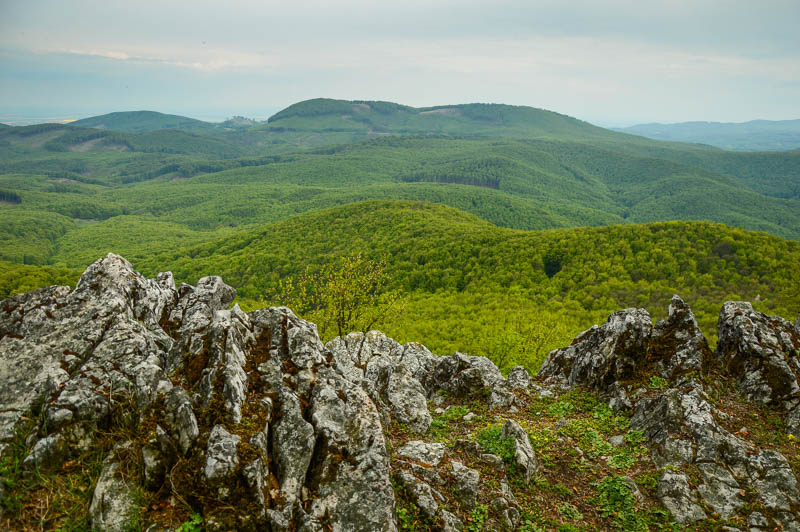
<point x="143" y="122"/>
<point x="756" y="135"/>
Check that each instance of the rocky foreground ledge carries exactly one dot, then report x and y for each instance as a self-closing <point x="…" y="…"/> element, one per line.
<point x="193" y="412"/>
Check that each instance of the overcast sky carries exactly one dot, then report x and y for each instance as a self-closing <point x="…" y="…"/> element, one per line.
<point x="612" y="62"/>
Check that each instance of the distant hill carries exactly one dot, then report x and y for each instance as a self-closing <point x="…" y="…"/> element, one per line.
<point x="756" y="135"/>
<point x="3" y="125"/>
<point x="143" y="122"/>
<point x="364" y="119"/>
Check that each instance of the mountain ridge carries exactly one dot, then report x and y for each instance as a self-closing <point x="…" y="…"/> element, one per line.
<point x="753" y="135"/>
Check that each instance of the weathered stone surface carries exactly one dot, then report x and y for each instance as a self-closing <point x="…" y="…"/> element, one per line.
<point x="407" y="400"/>
<point x="181" y="420"/>
<point x="420" y="451"/>
<point x="451" y="523"/>
<point x="106" y="348"/>
<point x="518" y="379"/>
<point x="760" y="351"/>
<point x="601" y="356"/>
<point x="678" y="498"/>
<point x="463" y="376"/>
<point x="221" y="457"/>
<point x="420" y="492"/>
<point x="286" y="433"/>
<point x="112" y="504"/>
<point x="678" y="343"/>
<point x="465" y="484"/>
<point x="83" y="350"/>
<point x="524" y="455"/>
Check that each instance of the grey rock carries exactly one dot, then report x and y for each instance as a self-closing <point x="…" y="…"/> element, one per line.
<point x="509" y="515"/>
<point x="493" y="460"/>
<point x="465" y="485"/>
<point x="228" y="338"/>
<point x="451" y="523"/>
<point x="407" y="400"/>
<point x="501" y="398"/>
<point x="354" y="492"/>
<point x="420" y="492"/>
<point x="112" y="503"/>
<point x="155" y="465"/>
<point x="757" y="519"/>
<point x="221" y="457"/>
<point x="678" y="498"/>
<point x="756" y="350"/>
<point x="508" y="494"/>
<point x="524" y="455"/>
<point x="678" y="343"/>
<point x="82" y="350"/>
<point x="618" y="397"/>
<point x="774" y="480"/>
<point x="787" y="521"/>
<point x="617" y="440"/>
<point x="293" y="446"/>
<point x="463" y="376"/>
<point x="470" y="447"/>
<point x="468" y="417"/>
<point x="518" y="379"/>
<point x="353" y="353"/>
<point x="181" y="420"/>
<point x="427" y="453"/>
<point x="426" y="473"/>
<point x="601" y="356"/>
<point x="720" y="490"/>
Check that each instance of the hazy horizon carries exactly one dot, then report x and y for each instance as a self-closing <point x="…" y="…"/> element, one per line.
<point x="31" y="116"/>
<point x="614" y="63"/>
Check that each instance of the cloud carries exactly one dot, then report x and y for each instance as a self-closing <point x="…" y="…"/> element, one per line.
<point x="715" y="59"/>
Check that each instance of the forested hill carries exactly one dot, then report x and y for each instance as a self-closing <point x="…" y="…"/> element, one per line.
<point x="756" y="135"/>
<point x="370" y="117"/>
<point x="143" y="122"/>
<point x="460" y="270"/>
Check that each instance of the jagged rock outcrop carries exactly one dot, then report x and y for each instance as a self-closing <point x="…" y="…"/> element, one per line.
<point x="602" y="356"/>
<point x="250" y="421"/>
<point x="763" y="352"/>
<point x="679" y="423"/>
<point x="236" y="407"/>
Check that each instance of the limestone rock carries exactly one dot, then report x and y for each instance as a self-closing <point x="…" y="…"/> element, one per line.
<point x="221" y="457"/>
<point x="678" y="498"/>
<point x="419" y="491"/>
<point x="465" y="484"/>
<point x="427" y="453"/>
<point x="524" y="455"/>
<point x="760" y="351"/>
<point x="463" y="376"/>
<point x="601" y="356"/>
<point x="518" y="379"/>
<point x="407" y="400"/>
<point x="112" y="504"/>
<point x="181" y="419"/>
<point x="678" y="343"/>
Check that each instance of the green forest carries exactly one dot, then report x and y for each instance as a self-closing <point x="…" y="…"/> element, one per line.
<point x="497" y="223"/>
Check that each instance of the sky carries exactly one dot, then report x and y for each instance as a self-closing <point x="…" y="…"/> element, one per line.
<point x="610" y="62"/>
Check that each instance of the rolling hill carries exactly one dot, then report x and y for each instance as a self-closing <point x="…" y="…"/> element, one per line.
<point x="143" y="122"/>
<point x="756" y="135"/>
<point x="460" y="273"/>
